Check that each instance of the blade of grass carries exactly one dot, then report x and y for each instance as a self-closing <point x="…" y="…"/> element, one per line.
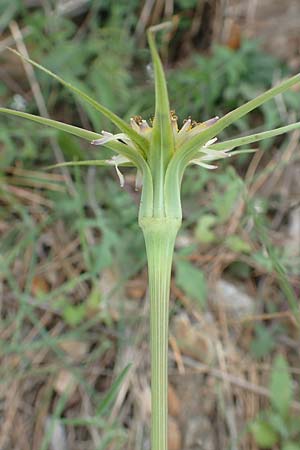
<point x="139" y="140"/>
<point x="111" y="394"/>
<point x="60" y="406"/>
<point x="278" y="268"/>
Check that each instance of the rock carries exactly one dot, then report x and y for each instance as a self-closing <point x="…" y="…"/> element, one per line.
<point x="75" y="349"/>
<point x="232" y="299"/>
<point x="194" y="339"/>
<point x="199" y="434"/>
<point x="65" y="382"/>
<point x="58" y="434"/>
<point x="293" y="241"/>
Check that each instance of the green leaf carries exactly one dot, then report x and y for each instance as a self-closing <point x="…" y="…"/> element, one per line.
<point x="191" y="280"/>
<point x="225" y="201"/>
<point x="279" y="424"/>
<point x="203" y="231"/>
<point x="263" y="343"/>
<point x="237" y="244"/>
<point x="74" y="314"/>
<point x="112" y="393"/>
<point x="240" y="269"/>
<point x="245" y="140"/>
<point x="140" y="141"/>
<point x="263" y="433"/>
<point x="162" y="141"/>
<point x="281" y="386"/>
<point x="294" y="425"/>
<point x="275" y="262"/>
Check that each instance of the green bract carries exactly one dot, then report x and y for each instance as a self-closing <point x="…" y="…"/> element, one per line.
<point x="161" y="153"/>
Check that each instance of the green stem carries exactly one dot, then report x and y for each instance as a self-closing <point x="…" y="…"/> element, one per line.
<point x="159" y="237"/>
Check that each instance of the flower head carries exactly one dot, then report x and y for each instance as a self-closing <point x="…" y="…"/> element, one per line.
<point x="188" y="130"/>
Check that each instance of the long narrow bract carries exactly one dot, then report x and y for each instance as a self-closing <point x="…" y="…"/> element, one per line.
<point x="162" y="140"/>
<point x="120" y="123"/>
<point x="245" y="140"/>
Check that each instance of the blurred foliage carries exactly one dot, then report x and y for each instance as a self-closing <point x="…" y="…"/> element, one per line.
<point x="276" y="426"/>
<point x="99" y="52"/>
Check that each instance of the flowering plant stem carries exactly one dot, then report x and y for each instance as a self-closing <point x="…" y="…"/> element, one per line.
<point x="159" y="237"/>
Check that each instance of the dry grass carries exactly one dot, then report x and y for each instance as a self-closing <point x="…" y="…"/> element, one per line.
<point x="55" y="374"/>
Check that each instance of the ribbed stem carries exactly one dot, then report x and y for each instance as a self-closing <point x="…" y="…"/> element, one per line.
<point x="160" y="237"/>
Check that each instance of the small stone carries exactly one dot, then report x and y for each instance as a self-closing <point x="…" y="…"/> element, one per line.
<point x="75" y="349"/>
<point x="65" y="382"/>
<point x="192" y="340"/>
<point x="199" y="434"/>
<point x="58" y="434"/>
<point x="232" y="299"/>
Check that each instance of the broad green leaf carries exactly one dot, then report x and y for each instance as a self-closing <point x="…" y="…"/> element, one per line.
<point x="281" y="386"/>
<point x="139" y="140"/>
<point x="245" y="140"/>
<point x="191" y="280"/>
<point x="162" y="142"/>
<point x="263" y="433"/>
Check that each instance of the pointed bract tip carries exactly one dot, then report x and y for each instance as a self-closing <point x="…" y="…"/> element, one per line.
<point x="210" y="122"/>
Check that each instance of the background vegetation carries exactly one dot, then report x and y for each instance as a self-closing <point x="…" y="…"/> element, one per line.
<point x="74" y="309"/>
